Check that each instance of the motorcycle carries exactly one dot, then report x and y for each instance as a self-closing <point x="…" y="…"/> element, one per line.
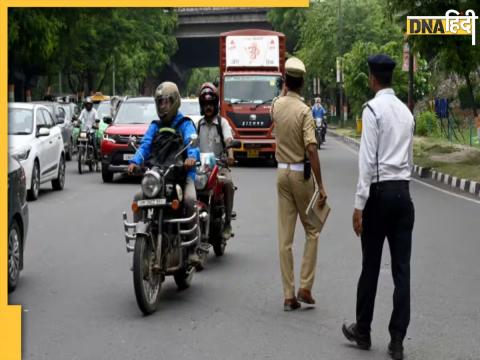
<point x="160" y="241"/>
<point x="320" y="131"/>
<point x="88" y="149"/>
<point x="211" y="203"/>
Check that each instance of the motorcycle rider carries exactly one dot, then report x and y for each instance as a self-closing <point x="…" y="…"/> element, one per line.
<point x="90" y="119"/>
<point x="318" y="113"/>
<point x="89" y="115"/>
<point x="167" y="102"/>
<point x="215" y="134"/>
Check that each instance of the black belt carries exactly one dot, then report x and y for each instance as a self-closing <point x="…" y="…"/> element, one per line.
<point x="390" y="185"/>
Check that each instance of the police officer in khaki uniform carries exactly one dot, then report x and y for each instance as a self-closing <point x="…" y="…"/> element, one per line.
<point x="295" y="140"/>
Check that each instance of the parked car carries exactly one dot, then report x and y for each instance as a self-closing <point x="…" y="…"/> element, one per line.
<point x="191" y="108"/>
<point x="35" y="141"/>
<point x="62" y="120"/>
<point x="132" y="119"/>
<point x="17" y="220"/>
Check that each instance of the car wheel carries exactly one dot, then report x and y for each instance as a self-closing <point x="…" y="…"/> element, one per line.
<point x="59" y="182"/>
<point x="14" y="255"/>
<point x="107" y="176"/>
<point x="35" y="182"/>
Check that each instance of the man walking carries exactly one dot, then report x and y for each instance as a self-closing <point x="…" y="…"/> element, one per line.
<point x="295" y="140"/>
<point x="383" y="206"/>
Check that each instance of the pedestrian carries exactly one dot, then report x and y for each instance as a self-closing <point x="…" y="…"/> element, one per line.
<point x="383" y="206"/>
<point x="295" y="143"/>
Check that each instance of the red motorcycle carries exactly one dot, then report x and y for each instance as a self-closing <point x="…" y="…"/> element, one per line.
<point x="211" y="203"/>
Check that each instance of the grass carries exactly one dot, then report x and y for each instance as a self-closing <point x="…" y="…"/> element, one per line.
<point x="441" y="155"/>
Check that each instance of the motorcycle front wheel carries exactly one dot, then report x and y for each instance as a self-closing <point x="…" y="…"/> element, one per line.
<point x="146" y="282"/>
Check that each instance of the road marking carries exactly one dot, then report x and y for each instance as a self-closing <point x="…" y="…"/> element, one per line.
<point x="419" y="181"/>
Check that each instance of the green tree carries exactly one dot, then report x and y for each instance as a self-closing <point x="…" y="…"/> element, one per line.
<point x="455" y="53"/>
<point x="33" y="38"/>
<point x="356" y="73"/>
<point x="329" y="32"/>
<point x="288" y="21"/>
<point x="199" y="76"/>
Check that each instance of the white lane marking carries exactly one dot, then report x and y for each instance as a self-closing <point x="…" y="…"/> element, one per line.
<point x="419" y="181"/>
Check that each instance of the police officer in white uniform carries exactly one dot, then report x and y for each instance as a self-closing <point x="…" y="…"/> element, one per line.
<point x="383" y="206"/>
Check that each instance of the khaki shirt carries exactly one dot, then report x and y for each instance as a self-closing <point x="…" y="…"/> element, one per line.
<point x="294" y="128"/>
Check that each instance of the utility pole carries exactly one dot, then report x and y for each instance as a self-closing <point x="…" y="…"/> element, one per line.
<point x="340" y="62"/>
<point x="411" y="103"/>
<point x="113" y="76"/>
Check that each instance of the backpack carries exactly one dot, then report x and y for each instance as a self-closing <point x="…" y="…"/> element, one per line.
<point x="167" y="143"/>
<point x="218" y="125"/>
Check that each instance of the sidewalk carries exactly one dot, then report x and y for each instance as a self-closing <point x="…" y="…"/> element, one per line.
<point x="455" y="165"/>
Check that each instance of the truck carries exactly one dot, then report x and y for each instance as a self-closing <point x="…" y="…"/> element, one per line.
<point x="252" y="65"/>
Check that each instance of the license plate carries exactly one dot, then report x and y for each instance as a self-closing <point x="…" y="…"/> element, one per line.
<point x="128" y="156"/>
<point x="151" y="202"/>
<point x="252" y="154"/>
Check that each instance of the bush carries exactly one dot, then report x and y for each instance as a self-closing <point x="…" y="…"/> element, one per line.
<point x="427" y="124"/>
<point x="466" y="100"/>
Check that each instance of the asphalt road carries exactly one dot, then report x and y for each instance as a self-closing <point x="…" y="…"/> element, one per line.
<point x="77" y="289"/>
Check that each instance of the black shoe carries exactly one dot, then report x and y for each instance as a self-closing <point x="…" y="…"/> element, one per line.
<point x="395" y="349"/>
<point x="351" y="333"/>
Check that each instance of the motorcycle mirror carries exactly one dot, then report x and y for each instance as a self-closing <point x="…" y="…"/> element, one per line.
<point x="107" y="120"/>
<point x="194" y="140"/>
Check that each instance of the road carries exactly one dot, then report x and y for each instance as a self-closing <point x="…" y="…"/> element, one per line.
<point x="78" y="300"/>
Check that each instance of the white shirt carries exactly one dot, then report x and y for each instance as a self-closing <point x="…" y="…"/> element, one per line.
<point x="210" y="141"/>
<point x="88" y="117"/>
<point x="388" y="127"/>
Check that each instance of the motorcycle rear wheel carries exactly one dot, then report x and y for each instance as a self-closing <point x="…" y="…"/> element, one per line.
<point x="146" y="283"/>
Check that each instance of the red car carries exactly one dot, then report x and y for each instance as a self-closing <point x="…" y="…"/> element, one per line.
<point x="132" y="120"/>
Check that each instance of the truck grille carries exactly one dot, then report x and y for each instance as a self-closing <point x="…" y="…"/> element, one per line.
<point x="245" y="120"/>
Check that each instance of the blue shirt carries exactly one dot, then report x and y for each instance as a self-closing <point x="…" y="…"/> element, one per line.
<point x="187" y="129"/>
<point x="318" y="111"/>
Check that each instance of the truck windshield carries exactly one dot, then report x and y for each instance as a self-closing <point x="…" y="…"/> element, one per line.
<point x="251" y="89"/>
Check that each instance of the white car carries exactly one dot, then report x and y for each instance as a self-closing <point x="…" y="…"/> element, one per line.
<point x="191" y="108"/>
<point x="35" y="141"/>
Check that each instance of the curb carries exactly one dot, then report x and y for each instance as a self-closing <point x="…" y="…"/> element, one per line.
<point x="472" y="187"/>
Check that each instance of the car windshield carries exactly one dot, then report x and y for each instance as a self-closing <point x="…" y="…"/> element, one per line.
<point x="251" y="89"/>
<point x="190" y="108"/>
<point x="136" y="112"/>
<point x="20" y="121"/>
<point x="103" y="110"/>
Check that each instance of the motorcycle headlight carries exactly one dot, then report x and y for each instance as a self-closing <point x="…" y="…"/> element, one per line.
<point x="151" y="184"/>
<point x="22" y="154"/>
<point x="201" y="181"/>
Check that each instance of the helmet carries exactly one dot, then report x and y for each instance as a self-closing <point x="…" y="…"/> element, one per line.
<point x="167" y="91"/>
<point x="88" y="100"/>
<point x="208" y="94"/>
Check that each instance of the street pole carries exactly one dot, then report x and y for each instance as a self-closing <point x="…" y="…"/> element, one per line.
<point x="113" y="77"/>
<point x="340" y="42"/>
<point x="410" y="79"/>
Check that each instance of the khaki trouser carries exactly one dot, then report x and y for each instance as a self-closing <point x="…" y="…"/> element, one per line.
<point x="294" y="194"/>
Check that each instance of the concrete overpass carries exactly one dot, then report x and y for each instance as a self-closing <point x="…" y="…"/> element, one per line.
<point x="198" y="38"/>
